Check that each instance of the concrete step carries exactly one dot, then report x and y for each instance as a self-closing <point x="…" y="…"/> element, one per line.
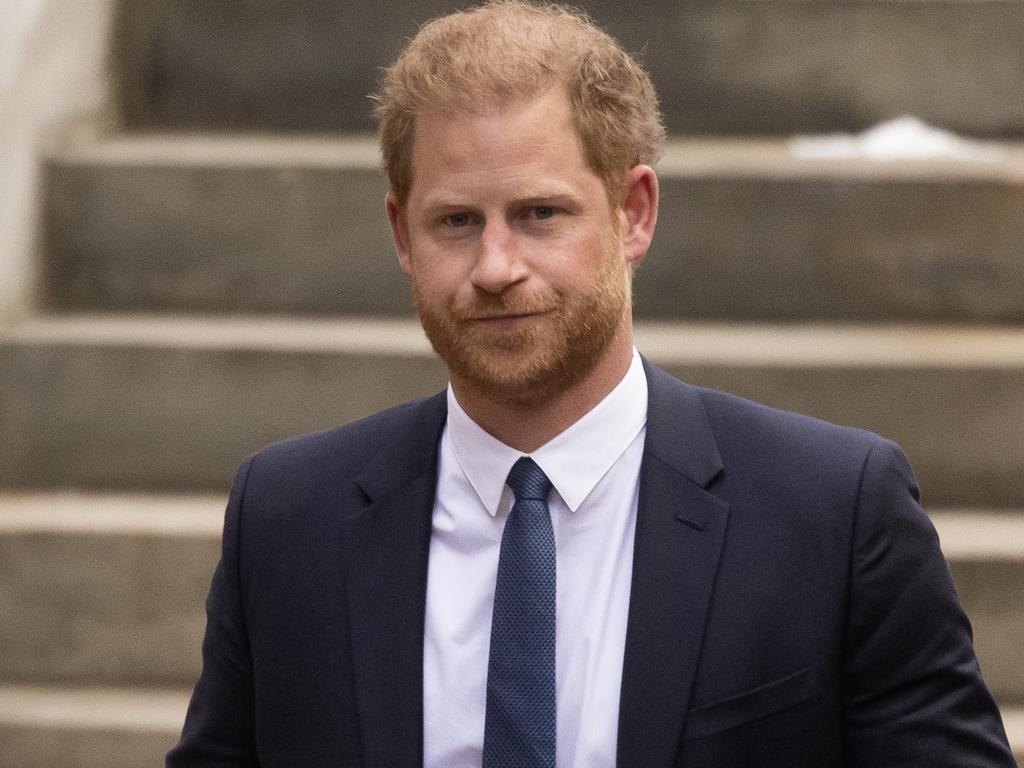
<point x="221" y="224"/>
<point x="985" y="549"/>
<point x="125" y="728"/>
<point x="163" y="402"/>
<point x="78" y="728"/>
<point x="157" y="403"/>
<point x="108" y="590"/>
<point x="720" y="66"/>
<point x="749" y="230"/>
<point x="105" y="589"/>
<point x="782" y="66"/>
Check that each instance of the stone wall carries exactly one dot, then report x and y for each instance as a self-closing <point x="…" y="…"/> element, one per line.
<point x="53" y="78"/>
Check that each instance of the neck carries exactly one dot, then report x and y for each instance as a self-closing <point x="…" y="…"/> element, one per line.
<point x="527" y="427"/>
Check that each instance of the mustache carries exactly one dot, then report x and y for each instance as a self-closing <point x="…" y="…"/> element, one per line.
<point x="487" y="306"/>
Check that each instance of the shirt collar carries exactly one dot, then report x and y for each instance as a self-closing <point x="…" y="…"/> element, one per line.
<point x="574" y="460"/>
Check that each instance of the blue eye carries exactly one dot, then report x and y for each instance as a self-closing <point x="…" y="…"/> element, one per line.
<point x="457" y="219"/>
<point x="543" y="211"/>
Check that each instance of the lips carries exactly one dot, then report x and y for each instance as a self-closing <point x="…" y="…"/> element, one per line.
<point x="505" y="310"/>
<point x="509" y="316"/>
<point x="509" y="309"/>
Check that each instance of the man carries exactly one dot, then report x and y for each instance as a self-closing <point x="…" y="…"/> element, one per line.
<point x="700" y="581"/>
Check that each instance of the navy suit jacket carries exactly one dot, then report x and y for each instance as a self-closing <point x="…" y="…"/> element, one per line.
<point x="790" y="606"/>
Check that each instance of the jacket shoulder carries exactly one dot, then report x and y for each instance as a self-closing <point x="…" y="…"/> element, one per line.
<point x="320" y="459"/>
<point x="741" y="441"/>
<point x="792" y="456"/>
<point x="731" y="414"/>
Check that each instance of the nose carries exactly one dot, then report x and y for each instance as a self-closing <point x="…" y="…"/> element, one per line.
<point x="498" y="264"/>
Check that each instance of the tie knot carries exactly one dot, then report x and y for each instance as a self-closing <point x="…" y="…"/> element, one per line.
<point x="528" y="481"/>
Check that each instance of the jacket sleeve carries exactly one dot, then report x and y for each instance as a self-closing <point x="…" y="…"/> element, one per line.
<point x="912" y="689"/>
<point x="219" y="728"/>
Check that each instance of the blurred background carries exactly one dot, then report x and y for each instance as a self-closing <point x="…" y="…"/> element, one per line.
<point x="194" y="261"/>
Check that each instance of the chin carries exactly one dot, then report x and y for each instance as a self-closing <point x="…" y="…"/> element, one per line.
<point x="542" y="359"/>
<point x="529" y="372"/>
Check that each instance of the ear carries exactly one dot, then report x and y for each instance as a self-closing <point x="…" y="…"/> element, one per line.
<point x="399" y="233"/>
<point x="640" y="211"/>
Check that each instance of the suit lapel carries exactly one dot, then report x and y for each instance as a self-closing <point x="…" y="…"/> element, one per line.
<point x="386" y="549"/>
<point x="679" y="537"/>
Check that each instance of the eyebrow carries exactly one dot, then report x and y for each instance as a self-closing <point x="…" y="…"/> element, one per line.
<point x="545" y="194"/>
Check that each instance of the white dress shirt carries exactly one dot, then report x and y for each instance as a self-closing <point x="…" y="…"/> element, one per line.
<point x="594" y="467"/>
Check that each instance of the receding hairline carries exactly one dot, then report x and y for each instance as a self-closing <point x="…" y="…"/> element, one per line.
<point x="543" y="187"/>
<point x="506" y="50"/>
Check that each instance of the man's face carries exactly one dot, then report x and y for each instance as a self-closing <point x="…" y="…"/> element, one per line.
<point x="513" y="249"/>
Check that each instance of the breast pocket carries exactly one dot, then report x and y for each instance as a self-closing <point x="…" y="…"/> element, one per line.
<point x="749" y="706"/>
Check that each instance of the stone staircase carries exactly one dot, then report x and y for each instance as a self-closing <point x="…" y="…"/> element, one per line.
<point x="219" y="274"/>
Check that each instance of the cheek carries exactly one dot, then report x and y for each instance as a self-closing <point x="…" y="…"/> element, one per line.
<point x="586" y="260"/>
<point x="436" y="277"/>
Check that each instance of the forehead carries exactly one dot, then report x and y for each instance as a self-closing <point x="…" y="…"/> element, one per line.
<point x="528" y="139"/>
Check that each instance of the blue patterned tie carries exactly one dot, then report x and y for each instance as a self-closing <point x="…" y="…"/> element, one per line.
<point x="519" y="729"/>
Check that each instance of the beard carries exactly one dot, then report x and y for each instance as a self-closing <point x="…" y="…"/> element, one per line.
<point x="538" y="358"/>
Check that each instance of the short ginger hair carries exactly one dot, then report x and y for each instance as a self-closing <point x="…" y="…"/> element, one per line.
<point x="507" y="50"/>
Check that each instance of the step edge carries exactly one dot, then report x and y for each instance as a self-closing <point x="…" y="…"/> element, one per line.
<point x="1013" y="722"/>
<point x="133" y="514"/>
<point x="687" y="343"/>
<point x="684" y="157"/>
<point x="354" y="334"/>
<point x="978" y="535"/>
<point x="238" y="150"/>
<point x="120" y="709"/>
